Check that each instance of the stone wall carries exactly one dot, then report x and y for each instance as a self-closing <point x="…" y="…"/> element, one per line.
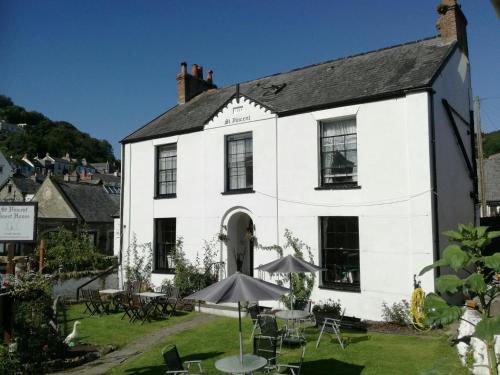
<point x="67" y="288"/>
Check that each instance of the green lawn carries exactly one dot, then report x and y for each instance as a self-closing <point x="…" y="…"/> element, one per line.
<point x="111" y="330"/>
<point x="371" y="353"/>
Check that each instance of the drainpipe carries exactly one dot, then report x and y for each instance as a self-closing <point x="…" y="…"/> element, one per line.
<point x="122" y="187"/>
<point x="435" y="207"/>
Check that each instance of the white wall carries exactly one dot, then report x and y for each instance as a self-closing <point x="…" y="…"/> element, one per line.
<point x="393" y="203"/>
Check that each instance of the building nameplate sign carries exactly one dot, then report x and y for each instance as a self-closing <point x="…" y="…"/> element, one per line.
<point x="18" y="221"/>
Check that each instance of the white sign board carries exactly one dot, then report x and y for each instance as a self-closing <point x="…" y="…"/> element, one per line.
<point x="17" y="222"/>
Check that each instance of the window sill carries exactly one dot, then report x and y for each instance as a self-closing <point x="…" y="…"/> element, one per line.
<point x="238" y="191"/>
<point x="346" y="186"/>
<point x="166" y="196"/>
<point x="164" y="272"/>
<point x="341" y="288"/>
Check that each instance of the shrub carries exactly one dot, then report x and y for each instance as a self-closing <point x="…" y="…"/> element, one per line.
<point x="69" y="252"/>
<point x="190" y="277"/>
<point x="329" y="307"/>
<point x="35" y="340"/>
<point x="398" y="313"/>
<point x="139" y="263"/>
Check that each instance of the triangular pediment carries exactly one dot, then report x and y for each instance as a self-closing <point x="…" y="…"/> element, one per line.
<point x="238" y="110"/>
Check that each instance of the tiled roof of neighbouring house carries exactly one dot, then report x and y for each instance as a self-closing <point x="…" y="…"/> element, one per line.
<point x="492" y="178"/>
<point x="384" y="72"/>
<point x="91" y="201"/>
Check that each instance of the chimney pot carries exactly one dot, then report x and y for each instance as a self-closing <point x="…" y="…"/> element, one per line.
<point x="210" y="76"/>
<point x="194" y="70"/>
<point x="183" y="68"/>
<point x="200" y="72"/>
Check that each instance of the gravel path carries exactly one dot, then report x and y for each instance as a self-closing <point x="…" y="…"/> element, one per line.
<point x="116" y="358"/>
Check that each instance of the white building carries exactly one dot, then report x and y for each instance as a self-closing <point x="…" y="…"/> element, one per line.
<point x="367" y="159"/>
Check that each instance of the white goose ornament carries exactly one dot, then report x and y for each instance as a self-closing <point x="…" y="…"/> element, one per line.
<point x="73" y="335"/>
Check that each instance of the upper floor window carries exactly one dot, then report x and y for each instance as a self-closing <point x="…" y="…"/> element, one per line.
<point x="239" y="161"/>
<point x="166" y="174"/>
<point x="340" y="252"/>
<point x="164" y="250"/>
<point x="339" y="161"/>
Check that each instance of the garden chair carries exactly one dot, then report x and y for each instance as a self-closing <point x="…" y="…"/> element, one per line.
<point x="253" y="310"/>
<point x="291" y="369"/>
<point x="123" y="304"/>
<point x="173" y="299"/>
<point x="266" y="347"/>
<point x="334" y="325"/>
<point x="163" y="301"/>
<point x="139" y="309"/>
<point x="98" y="303"/>
<point x="307" y="304"/>
<point x="85" y="297"/>
<point x="175" y="365"/>
<point x="269" y="327"/>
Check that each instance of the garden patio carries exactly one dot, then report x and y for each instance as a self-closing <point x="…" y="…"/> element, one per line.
<point x="366" y="353"/>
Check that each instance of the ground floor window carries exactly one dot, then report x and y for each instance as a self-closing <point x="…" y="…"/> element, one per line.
<point x="164" y="245"/>
<point x="340" y="252"/>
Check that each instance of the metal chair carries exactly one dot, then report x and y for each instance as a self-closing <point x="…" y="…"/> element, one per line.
<point x="85" y="297"/>
<point x="334" y="325"/>
<point x="253" y="310"/>
<point x="292" y="369"/>
<point x="266" y="347"/>
<point x="269" y="327"/>
<point x="174" y="363"/>
<point x="97" y="302"/>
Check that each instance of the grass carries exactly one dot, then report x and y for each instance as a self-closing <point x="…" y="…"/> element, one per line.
<point x="370" y="353"/>
<point x="111" y="330"/>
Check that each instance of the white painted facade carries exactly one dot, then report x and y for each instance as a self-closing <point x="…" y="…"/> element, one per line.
<point x="393" y="203"/>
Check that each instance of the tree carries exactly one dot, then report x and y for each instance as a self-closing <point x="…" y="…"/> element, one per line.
<point x="480" y="281"/>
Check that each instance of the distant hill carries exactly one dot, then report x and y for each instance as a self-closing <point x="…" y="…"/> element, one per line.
<point x="491" y="143"/>
<point x="42" y="135"/>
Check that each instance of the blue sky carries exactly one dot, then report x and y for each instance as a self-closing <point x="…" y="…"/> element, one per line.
<point x="109" y="67"/>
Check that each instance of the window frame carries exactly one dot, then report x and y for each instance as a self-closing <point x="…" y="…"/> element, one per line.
<point x="170" y="270"/>
<point x="341" y="185"/>
<point x="340" y="286"/>
<point x="157" y="194"/>
<point x="227" y="189"/>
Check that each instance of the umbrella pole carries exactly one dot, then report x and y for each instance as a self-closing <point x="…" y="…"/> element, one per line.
<point x="291" y="291"/>
<point x="241" y="337"/>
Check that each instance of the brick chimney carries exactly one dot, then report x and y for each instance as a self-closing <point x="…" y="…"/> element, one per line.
<point x="190" y="85"/>
<point x="452" y="24"/>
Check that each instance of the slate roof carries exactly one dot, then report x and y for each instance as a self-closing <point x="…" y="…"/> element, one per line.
<point x="382" y="73"/>
<point x="26" y="185"/>
<point x="492" y="178"/>
<point x="91" y="201"/>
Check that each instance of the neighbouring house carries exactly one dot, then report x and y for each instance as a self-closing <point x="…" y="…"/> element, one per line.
<point x="491" y="167"/>
<point x="19" y="189"/>
<point x="11" y="128"/>
<point x="55" y="166"/>
<point x="77" y="206"/>
<point x="366" y="158"/>
<point x="105" y="168"/>
<point x="21" y="166"/>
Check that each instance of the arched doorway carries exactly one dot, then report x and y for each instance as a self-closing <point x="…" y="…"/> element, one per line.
<point x="240" y="243"/>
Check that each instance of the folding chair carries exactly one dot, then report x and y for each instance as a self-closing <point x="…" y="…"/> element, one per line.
<point x="266" y="347"/>
<point x="334" y="325"/>
<point x="88" y="303"/>
<point x="253" y="310"/>
<point x="173" y="299"/>
<point x="293" y="369"/>
<point x="174" y="363"/>
<point x="122" y="301"/>
<point x="269" y="327"/>
<point x="97" y="302"/>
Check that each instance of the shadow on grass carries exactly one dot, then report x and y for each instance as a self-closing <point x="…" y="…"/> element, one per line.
<point x="160" y="369"/>
<point x="330" y="366"/>
<point x="354" y="340"/>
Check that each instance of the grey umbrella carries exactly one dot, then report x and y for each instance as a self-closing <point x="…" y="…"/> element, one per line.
<point x="237" y="288"/>
<point x="289" y="264"/>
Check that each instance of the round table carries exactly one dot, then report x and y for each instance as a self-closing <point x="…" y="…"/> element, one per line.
<point x="291" y="314"/>
<point x="232" y="364"/>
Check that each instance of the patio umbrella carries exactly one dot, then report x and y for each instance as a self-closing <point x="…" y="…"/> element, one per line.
<point x="237" y="288"/>
<point x="289" y="264"/>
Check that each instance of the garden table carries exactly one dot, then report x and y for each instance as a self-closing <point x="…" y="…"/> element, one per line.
<point x="233" y="365"/>
<point x="111" y="293"/>
<point x="153" y="299"/>
<point x="291" y="316"/>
